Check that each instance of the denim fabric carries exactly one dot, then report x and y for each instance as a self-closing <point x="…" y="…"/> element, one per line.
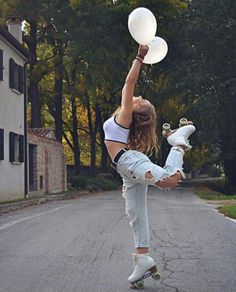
<point x="132" y="166"/>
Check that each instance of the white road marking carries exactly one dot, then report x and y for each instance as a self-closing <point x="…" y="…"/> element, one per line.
<point x="4" y="226"/>
<point x="231" y="219"/>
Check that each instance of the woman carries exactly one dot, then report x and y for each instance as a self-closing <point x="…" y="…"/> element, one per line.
<point x="128" y="133"/>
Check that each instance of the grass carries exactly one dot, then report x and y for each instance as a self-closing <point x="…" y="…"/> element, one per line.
<point x="229" y="211"/>
<point x="206" y="193"/>
<point x="12" y="201"/>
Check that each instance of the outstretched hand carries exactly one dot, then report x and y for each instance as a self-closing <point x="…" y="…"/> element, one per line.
<point x="143" y="50"/>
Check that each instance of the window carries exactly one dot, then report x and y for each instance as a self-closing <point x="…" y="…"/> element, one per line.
<point x="41" y="182"/>
<point x="16" y="148"/>
<point x="1" y="144"/>
<point x="1" y="65"/>
<point x="16" y="76"/>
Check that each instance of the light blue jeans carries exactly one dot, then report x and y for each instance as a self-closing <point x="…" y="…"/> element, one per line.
<point x="132" y="166"/>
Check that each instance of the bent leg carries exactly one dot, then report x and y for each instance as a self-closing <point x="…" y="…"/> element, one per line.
<point x="174" y="168"/>
<point x="137" y="168"/>
<point x="170" y="175"/>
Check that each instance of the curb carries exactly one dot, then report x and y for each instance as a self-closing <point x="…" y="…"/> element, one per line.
<point x="5" y="208"/>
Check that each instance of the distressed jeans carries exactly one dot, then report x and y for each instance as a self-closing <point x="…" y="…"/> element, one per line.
<point x="132" y="166"/>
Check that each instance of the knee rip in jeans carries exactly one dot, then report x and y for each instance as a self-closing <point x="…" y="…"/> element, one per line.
<point x="148" y="175"/>
<point x="169" y="181"/>
<point x="132" y="174"/>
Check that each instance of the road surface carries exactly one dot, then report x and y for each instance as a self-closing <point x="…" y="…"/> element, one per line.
<point x="86" y="244"/>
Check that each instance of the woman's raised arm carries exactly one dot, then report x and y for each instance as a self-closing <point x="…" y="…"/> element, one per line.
<point x="125" y="115"/>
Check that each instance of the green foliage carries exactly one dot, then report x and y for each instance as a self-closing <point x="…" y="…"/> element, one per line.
<point x="206" y="45"/>
<point x="79" y="182"/>
<point x="214" y="171"/>
<point x="93" y="183"/>
<point x="101" y="183"/>
<point x="229" y="211"/>
<point x="90" y="39"/>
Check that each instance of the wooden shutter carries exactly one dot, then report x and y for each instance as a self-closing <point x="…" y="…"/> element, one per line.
<point x="11" y="72"/>
<point x="1" y="144"/>
<point x="21" y="148"/>
<point x="1" y="64"/>
<point x="12" y="147"/>
<point x="21" y="79"/>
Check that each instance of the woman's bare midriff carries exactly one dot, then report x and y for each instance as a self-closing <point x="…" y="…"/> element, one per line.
<point x="114" y="147"/>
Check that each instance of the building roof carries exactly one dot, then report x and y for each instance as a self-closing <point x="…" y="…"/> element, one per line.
<point x="42" y="132"/>
<point x="14" y="42"/>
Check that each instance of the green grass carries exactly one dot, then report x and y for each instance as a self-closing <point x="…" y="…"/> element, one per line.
<point x="229" y="211"/>
<point x="209" y="194"/>
<point x="12" y="201"/>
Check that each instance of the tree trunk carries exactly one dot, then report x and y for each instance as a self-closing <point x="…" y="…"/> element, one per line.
<point x="58" y="88"/>
<point x="92" y="134"/>
<point x="75" y="137"/>
<point x="35" y="121"/>
<point x="58" y="108"/>
<point x="230" y="174"/>
<point x="33" y="78"/>
<point x="104" y="159"/>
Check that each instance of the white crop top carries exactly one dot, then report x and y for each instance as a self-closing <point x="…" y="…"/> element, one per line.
<point x="115" y="132"/>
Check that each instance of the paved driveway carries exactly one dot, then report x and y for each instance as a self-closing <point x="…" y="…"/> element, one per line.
<point x="86" y="245"/>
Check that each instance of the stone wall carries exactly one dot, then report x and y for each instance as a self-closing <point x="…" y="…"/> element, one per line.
<point x="49" y="165"/>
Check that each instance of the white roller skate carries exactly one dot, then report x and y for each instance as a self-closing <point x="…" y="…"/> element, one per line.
<point x="179" y="137"/>
<point x="144" y="267"/>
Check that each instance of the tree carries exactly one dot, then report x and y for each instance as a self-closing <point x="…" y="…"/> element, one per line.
<point x="86" y="50"/>
<point x="209" y="31"/>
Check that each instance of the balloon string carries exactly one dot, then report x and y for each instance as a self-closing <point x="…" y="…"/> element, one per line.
<point x="145" y="80"/>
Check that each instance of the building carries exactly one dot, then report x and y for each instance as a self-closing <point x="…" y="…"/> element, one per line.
<point x="47" y="164"/>
<point x="13" y="59"/>
<point x="37" y="165"/>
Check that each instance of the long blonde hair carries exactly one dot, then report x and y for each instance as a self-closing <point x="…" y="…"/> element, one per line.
<point x="142" y="135"/>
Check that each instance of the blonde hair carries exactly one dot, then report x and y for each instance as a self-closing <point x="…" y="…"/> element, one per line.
<point x="142" y="134"/>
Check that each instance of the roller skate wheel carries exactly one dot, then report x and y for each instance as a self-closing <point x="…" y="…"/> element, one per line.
<point x="156" y="276"/>
<point x="166" y="126"/>
<point x="139" y="285"/>
<point x="164" y="133"/>
<point x="183" y="122"/>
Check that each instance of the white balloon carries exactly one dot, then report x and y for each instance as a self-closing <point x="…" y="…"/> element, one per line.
<point x="142" y="25"/>
<point x="157" y="51"/>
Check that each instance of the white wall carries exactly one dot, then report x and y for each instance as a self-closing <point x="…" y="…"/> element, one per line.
<point x="11" y="120"/>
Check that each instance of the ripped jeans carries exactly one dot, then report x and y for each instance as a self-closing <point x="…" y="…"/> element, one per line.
<point x="132" y="166"/>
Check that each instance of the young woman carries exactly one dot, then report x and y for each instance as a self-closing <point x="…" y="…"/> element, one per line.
<point x="130" y="133"/>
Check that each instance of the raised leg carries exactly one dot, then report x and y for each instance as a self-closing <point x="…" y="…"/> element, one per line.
<point x="179" y="137"/>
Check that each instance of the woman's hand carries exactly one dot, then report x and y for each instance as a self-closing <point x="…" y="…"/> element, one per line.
<point x="142" y="51"/>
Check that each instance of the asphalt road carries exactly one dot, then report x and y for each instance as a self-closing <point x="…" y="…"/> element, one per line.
<point x="86" y="245"/>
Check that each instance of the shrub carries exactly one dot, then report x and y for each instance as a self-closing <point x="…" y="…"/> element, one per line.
<point x="101" y="183"/>
<point x="79" y="182"/>
<point x="93" y="183"/>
